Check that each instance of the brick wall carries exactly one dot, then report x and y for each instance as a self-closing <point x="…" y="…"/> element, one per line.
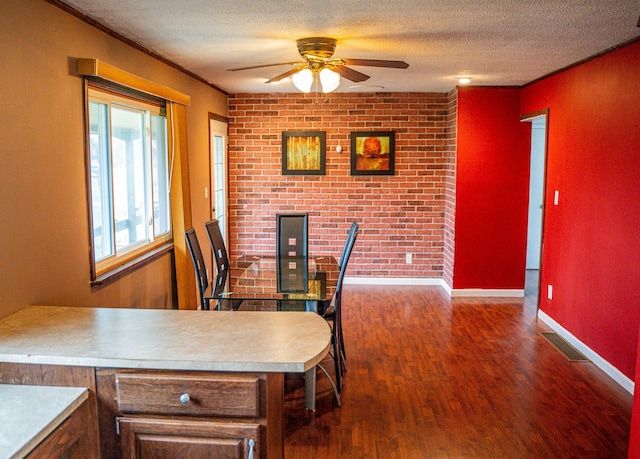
<point x="450" y="184"/>
<point x="399" y="214"/>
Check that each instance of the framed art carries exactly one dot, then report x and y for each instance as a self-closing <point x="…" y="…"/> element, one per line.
<point x="372" y="153"/>
<point x="304" y="152"/>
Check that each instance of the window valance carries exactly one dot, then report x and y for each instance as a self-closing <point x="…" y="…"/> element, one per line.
<point x="96" y="68"/>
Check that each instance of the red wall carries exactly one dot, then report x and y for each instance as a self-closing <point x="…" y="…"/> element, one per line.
<point x="634" y="437"/>
<point x="591" y="252"/>
<point x="592" y="249"/>
<point x="492" y="188"/>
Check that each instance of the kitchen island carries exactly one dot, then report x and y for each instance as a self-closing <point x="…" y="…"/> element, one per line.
<point x="32" y="417"/>
<point x="188" y="382"/>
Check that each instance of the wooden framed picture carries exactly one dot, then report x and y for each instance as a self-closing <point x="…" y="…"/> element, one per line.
<point x="372" y="153"/>
<point x="304" y="152"/>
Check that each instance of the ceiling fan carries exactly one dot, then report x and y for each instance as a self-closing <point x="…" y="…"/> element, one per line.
<point x="319" y="63"/>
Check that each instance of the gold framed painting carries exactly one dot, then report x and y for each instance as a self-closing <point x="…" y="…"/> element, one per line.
<point x="304" y="152"/>
<point x="373" y="153"/>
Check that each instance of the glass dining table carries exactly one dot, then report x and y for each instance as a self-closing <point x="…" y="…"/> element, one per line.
<point x="272" y="283"/>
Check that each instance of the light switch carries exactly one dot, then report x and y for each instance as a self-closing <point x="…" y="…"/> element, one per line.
<point x="556" y="196"/>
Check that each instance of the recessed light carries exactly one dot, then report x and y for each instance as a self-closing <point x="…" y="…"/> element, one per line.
<point x="374" y="86"/>
<point x="464" y="80"/>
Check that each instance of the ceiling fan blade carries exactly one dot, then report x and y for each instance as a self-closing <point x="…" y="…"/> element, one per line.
<point x="284" y="75"/>
<point x="262" y="66"/>
<point x="350" y="74"/>
<point x="377" y="63"/>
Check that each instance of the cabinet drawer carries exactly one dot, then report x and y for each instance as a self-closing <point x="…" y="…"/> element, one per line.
<point x="190" y="395"/>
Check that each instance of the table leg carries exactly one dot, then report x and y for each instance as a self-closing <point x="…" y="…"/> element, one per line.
<point x="310" y="389"/>
<point x="310" y="375"/>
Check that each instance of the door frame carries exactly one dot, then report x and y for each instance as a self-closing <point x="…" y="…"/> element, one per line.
<point x="221" y="119"/>
<point x="528" y="117"/>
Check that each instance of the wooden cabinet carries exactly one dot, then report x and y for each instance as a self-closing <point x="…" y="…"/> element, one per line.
<point x="149" y="438"/>
<point x="202" y="415"/>
<point x="77" y="436"/>
<point x="164" y="380"/>
<point x="188" y="394"/>
<point x="162" y="413"/>
<point x="70" y="440"/>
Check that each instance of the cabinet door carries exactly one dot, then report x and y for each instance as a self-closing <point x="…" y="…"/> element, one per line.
<point x="69" y="440"/>
<point x="165" y="438"/>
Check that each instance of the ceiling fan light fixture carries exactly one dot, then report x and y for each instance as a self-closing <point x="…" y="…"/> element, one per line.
<point x="320" y="70"/>
<point x="303" y="80"/>
<point x="329" y="80"/>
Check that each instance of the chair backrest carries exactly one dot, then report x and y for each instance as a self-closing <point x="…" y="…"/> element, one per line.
<point x="217" y="245"/>
<point x="292" y="235"/>
<point x="352" y="230"/>
<point x="219" y="284"/>
<point x="198" y="264"/>
<point x="346" y="255"/>
<point x="337" y="298"/>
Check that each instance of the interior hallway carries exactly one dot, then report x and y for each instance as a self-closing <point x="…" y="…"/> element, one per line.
<point x="434" y="377"/>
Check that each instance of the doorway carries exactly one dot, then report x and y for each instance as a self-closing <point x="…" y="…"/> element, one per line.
<point x="537" y="178"/>
<point x="219" y="189"/>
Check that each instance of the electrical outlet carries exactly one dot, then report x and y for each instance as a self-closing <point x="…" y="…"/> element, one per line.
<point x="550" y="291"/>
<point x="409" y="258"/>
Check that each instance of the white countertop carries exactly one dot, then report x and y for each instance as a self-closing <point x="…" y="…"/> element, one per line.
<point x="165" y="339"/>
<point x="28" y="414"/>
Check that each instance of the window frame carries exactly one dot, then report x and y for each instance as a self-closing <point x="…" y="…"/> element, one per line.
<point x="141" y="253"/>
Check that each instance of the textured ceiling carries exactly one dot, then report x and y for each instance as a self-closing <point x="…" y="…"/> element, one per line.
<point x="495" y="42"/>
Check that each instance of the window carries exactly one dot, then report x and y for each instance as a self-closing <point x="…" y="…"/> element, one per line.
<point x="128" y="178"/>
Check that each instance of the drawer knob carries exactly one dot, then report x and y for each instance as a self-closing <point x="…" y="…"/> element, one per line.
<point x="184" y="398"/>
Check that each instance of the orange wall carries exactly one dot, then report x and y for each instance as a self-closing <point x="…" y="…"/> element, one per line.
<point x="397" y="214"/>
<point x="44" y="237"/>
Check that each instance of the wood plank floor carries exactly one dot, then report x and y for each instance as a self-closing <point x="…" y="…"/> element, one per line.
<point x="434" y="377"/>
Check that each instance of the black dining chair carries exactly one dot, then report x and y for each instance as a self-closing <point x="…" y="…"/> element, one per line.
<point x="222" y="264"/>
<point x="322" y="307"/>
<point x="217" y="245"/>
<point x="198" y="265"/>
<point x="218" y="287"/>
<point x="333" y="314"/>
<point x="354" y="228"/>
<point x="344" y="258"/>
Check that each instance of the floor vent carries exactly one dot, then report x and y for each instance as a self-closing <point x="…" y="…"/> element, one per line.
<point x="566" y="349"/>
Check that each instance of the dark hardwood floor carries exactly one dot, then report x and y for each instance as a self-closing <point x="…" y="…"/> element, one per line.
<point x="434" y="377"/>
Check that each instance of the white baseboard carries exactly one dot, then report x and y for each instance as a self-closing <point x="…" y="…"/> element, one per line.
<point x="437" y="281"/>
<point x="486" y="292"/>
<point x="393" y="280"/>
<point x="601" y="363"/>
